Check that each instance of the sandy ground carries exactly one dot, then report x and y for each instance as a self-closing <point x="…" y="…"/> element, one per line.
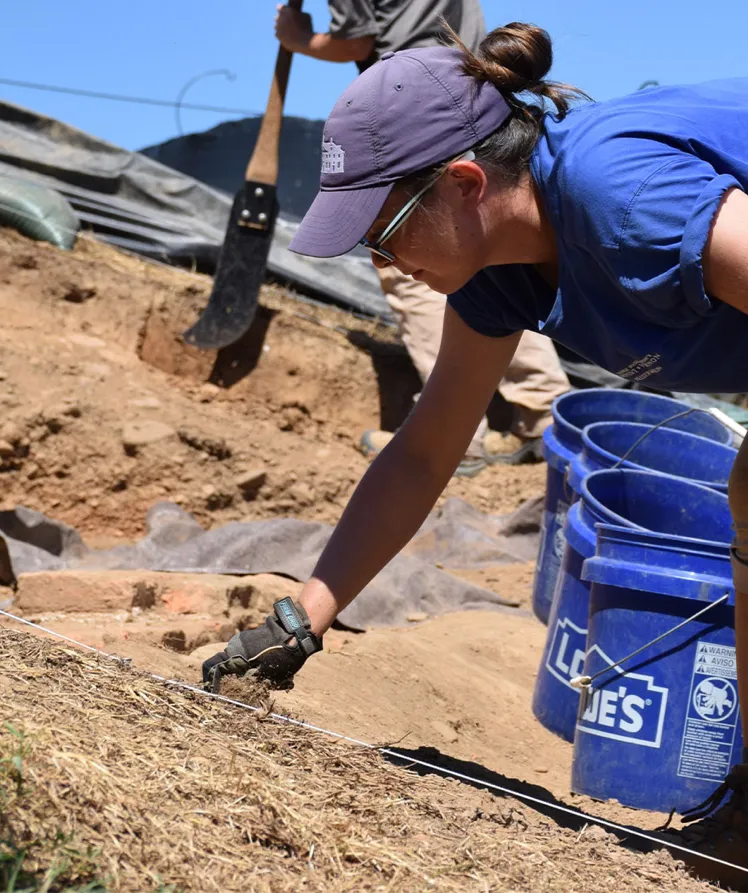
<point x="105" y="411"/>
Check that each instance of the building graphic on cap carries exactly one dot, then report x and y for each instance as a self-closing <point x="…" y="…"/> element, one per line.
<point x="333" y="158"/>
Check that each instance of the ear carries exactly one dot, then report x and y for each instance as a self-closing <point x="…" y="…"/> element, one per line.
<point x="469" y="179"/>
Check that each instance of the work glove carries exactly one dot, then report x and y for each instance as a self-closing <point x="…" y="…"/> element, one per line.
<point x="265" y="652"/>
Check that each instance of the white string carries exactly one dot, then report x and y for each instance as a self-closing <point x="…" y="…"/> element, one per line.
<point x="385" y="751"/>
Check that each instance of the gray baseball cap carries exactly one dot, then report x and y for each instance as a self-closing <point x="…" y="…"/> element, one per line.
<point x="412" y="109"/>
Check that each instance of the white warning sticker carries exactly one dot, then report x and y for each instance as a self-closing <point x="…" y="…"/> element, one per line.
<point x="559" y="540"/>
<point x="712" y="717"/>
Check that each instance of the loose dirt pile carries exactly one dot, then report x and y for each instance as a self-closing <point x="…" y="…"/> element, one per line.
<point x="144" y="787"/>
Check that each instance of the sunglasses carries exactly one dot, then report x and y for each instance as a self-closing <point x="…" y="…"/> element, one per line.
<point x="402" y="215"/>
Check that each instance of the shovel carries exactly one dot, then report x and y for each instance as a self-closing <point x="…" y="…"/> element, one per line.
<point x="241" y="265"/>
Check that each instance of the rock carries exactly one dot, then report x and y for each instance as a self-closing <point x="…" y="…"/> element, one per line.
<point x="82" y="340"/>
<point x="208" y="392"/>
<point x="27" y="262"/>
<point x="301" y="493"/>
<point x="3" y="375"/>
<point x="446" y="731"/>
<point x="595" y="833"/>
<point x="77" y="293"/>
<point x="13" y="433"/>
<point x="139" y="434"/>
<point x="202" y="638"/>
<point x="70" y="407"/>
<point x="219" y="499"/>
<point x="72" y="591"/>
<point x="213" y="446"/>
<point x="145" y="403"/>
<point x="417" y="617"/>
<point x="103" y="591"/>
<point x="7" y="596"/>
<point x="203" y="652"/>
<point x="6" y="449"/>
<point x="224" y="632"/>
<point x="97" y="371"/>
<point x="250" y="482"/>
<point x="260" y="591"/>
<point x="175" y="640"/>
<point x="293" y="417"/>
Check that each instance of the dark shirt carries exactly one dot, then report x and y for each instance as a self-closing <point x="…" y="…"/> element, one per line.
<point x="403" y="24"/>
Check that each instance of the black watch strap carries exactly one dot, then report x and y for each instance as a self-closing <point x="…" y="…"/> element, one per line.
<point x="295" y="621"/>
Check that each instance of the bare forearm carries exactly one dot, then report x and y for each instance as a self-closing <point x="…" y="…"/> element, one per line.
<point x="385" y="511"/>
<point x="327" y="48"/>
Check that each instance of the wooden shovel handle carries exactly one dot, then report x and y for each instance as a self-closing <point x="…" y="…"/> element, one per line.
<point x="263" y="165"/>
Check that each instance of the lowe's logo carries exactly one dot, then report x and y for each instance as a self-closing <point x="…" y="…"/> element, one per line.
<point x="630" y="707"/>
<point x="566" y="655"/>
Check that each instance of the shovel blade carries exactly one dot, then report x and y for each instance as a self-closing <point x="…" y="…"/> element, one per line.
<point x="241" y="269"/>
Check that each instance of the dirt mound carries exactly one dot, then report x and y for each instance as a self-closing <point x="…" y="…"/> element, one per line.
<point x="460" y="684"/>
<point x="104" y="410"/>
<point x="111" y="779"/>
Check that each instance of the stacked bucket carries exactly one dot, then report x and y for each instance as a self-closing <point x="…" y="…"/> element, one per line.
<point x="635" y="540"/>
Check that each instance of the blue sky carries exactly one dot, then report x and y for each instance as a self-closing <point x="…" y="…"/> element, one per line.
<point x="153" y="47"/>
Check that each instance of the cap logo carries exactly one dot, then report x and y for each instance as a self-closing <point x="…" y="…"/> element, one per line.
<point x="333" y="158"/>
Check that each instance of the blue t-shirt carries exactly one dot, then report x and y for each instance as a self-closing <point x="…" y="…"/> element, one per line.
<point x="631" y="187"/>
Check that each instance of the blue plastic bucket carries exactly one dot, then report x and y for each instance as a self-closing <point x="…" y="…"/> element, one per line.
<point x="662" y="731"/>
<point x="555" y="702"/>
<point x="562" y="441"/>
<point x="673" y="453"/>
<point x="635" y="499"/>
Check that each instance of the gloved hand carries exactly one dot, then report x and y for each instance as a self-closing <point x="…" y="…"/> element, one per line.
<point x="265" y="652"/>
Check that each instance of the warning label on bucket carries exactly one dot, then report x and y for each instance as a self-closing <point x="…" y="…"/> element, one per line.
<point x="712" y="717"/>
<point x="559" y="540"/>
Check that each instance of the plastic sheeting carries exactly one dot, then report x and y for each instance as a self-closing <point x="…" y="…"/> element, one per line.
<point x="455" y="536"/>
<point x="142" y="206"/>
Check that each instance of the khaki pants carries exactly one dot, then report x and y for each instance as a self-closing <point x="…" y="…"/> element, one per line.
<point x="532" y="381"/>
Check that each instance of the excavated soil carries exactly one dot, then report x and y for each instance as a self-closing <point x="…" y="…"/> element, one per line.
<point x="105" y="412"/>
<point x="90" y="348"/>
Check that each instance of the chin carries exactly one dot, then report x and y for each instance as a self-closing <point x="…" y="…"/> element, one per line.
<point x="443" y="283"/>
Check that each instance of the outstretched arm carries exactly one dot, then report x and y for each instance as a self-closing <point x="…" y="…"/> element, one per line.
<point x="403" y="483"/>
<point x="386" y="509"/>
<point x="295" y="32"/>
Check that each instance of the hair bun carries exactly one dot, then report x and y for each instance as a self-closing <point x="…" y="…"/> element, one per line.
<point x="516" y="59"/>
<point x="518" y="55"/>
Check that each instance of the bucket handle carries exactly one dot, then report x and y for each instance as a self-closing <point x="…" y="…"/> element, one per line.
<point x="585" y="682"/>
<point x="737" y="429"/>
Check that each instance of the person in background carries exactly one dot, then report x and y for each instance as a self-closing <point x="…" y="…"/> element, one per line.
<point x="363" y="31"/>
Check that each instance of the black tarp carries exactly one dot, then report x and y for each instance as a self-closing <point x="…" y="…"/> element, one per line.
<point x="138" y="204"/>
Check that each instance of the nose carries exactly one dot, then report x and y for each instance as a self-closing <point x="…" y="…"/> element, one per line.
<point x="379" y="262"/>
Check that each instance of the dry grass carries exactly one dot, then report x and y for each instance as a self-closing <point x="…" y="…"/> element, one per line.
<point x="109" y="779"/>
